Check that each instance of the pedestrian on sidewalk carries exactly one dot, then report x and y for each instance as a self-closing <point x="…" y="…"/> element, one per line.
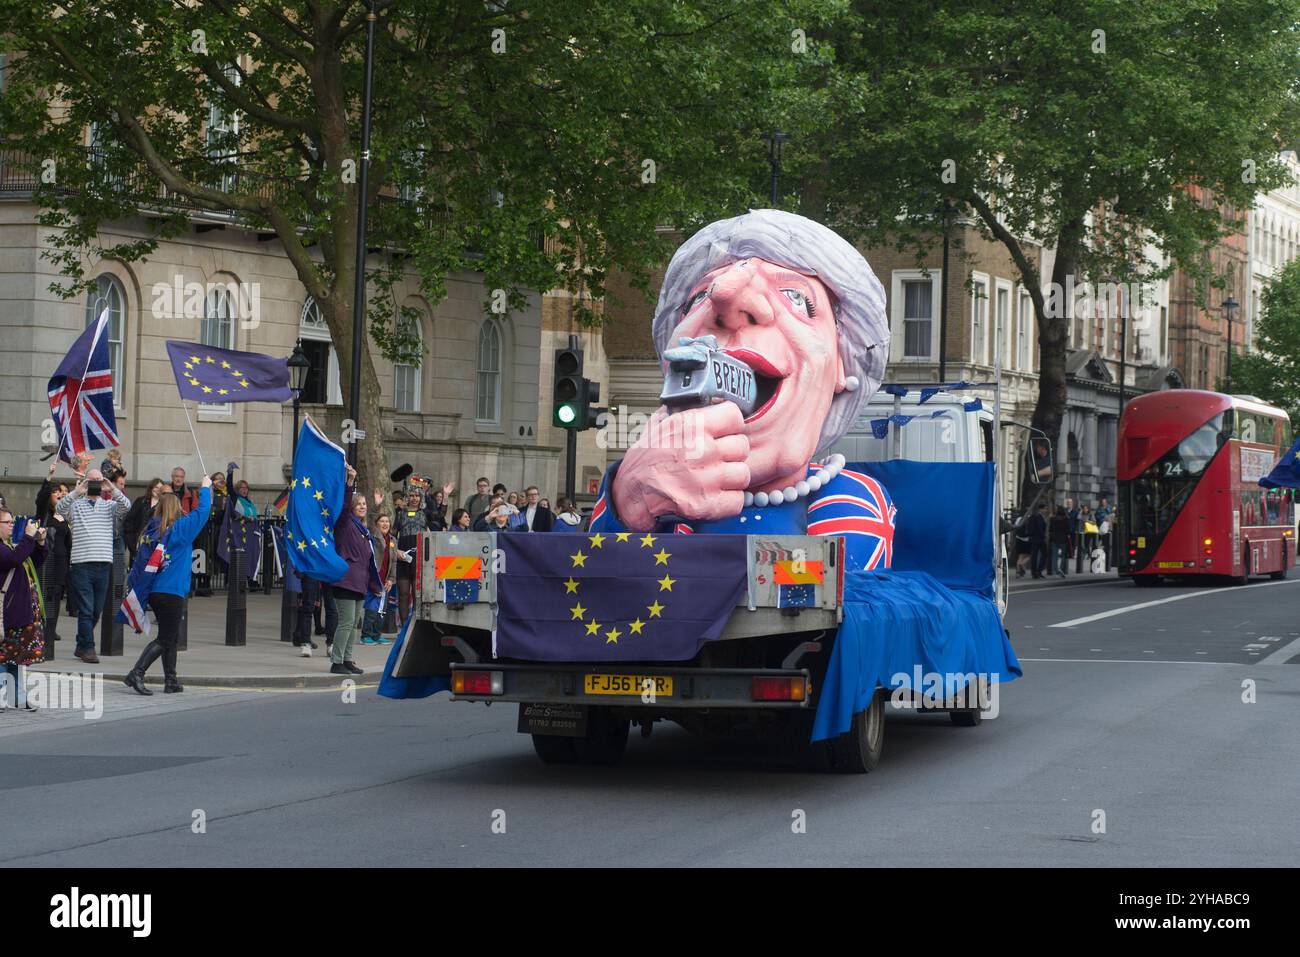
<point x="1023" y="550"/>
<point x="385" y="547"/>
<point x="410" y="523"/>
<point x="171" y="587"/>
<point x="22" y="633"/>
<point x="1058" y="538"/>
<point x="1036" y="528"/>
<point x="355" y="545"/>
<point x="91" y="511"/>
<point x="58" y="543"/>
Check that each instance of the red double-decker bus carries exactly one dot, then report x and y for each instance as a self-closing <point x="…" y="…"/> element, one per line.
<point x="1188" y="468"/>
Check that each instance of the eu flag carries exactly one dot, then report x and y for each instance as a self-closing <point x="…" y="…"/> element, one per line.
<point x="618" y="596"/>
<point x="1286" y="474"/>
<point x="209" y="374"/>
<point x="315" y="503"/>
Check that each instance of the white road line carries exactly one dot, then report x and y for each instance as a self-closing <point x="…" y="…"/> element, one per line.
<point x="1280" y="656"/>
<point x="1162" y="601"/>
<point x="1140" y="661"/>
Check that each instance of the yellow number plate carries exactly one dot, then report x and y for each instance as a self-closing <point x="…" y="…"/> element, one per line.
<point x="628" y="684"/>
<point x="1169" y="565"/>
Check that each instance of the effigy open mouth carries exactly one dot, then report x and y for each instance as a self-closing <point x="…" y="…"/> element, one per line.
<point x="767" y="380"/>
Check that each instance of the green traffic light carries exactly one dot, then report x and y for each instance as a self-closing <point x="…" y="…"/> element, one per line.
<point x="566" y="414"/>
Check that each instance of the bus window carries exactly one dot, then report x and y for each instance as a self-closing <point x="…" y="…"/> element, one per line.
<point x="1159" y="493"/>
<point x="1256" y="427"/>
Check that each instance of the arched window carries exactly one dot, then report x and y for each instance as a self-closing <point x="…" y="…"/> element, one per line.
<point x="108" y="294"/>
<point x="488" y="405"/>
<point x="217" y="328"/>
<point x="406" y="378"/>
<point x="322" y="385"/>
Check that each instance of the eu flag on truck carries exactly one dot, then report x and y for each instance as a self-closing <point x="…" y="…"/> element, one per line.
<point x="618" y="596"/>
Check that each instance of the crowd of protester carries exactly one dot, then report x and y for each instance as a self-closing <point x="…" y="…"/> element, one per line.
<point x="1051" y="537"/>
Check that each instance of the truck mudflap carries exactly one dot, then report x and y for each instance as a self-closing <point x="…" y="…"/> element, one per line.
<point x="650" y="686"/>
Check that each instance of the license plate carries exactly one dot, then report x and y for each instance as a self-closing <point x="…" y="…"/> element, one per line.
<point x="1169" y="565"/>
<point x="628" y="684"/>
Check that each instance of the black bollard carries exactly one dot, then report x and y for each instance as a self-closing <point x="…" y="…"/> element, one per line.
<point x="236" y="599"/>
<point x="110" y="629"/>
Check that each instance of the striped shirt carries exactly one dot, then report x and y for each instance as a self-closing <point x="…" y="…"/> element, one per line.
<point x="93" y="524"/>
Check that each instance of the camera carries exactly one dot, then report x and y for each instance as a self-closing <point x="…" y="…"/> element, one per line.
<point x="94" y="489"/>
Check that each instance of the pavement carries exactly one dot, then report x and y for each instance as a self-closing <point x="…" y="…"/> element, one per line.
<point x="263" y="662"/>
<point x="1056" y="581"/>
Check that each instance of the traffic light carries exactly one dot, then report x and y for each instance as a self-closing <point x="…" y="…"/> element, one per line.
<point x="572" y="393"/>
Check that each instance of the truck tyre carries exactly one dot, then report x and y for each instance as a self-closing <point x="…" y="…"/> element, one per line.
<point x="857" y="751"/>
<point x="554" y="749"/>
<point x="966" y="718"/>
<point x="606" y="739"/>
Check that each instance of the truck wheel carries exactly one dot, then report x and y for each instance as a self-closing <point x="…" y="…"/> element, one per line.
<point x="554" y="749"/>
<point x="857" y="751"/>
<point x="606" y="739"/>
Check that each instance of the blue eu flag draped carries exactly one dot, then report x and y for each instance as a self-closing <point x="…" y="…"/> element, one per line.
<point x="315" y="503"/>
<point x="618" y="596"/>
<point x="208" y="374"/>
<point x="1286" y="474"/>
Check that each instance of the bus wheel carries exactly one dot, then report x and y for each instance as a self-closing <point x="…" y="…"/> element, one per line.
<point x="1278" y="576"/>
<point x="857" y="751"/>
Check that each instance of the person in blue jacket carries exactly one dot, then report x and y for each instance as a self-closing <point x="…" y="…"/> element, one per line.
<point x="177" y="531"/>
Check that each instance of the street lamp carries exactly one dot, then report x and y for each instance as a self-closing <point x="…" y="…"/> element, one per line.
<point x="775" y="140"/>
<point x="1229" y="304"/>
<point x="299" y="366"/>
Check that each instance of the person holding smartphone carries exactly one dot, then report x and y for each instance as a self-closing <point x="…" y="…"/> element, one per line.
<point x="92" y="517"/>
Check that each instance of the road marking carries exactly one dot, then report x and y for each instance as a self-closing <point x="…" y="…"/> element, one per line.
<point x="1280" y="656"/>
<point x="1161" y="601"/>
<point x="1138" y="661"/>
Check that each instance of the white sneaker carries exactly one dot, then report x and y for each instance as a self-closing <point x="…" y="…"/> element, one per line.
<point x="306" y="652"/>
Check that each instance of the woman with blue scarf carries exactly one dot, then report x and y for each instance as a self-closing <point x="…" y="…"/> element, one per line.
<point x="353" y="541"/>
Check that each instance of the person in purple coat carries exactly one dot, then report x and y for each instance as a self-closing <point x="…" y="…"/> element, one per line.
<point x="355" y="545"/>
<point x="22" y="635"/>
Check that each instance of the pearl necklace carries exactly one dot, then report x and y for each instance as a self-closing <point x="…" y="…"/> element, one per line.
<point x="801" y="489"/>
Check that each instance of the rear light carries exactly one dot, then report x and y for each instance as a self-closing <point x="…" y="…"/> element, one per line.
<point x="477" y="682"/>
<point x="1132" y="551"/>
<point x="780" y="689"/>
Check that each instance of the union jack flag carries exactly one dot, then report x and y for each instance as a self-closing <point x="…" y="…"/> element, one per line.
<point x="81" y="394"/>
<point x="142" y="577"/>
<point x="860" y="508"/>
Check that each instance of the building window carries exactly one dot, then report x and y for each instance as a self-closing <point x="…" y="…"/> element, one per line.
<point x="108" y="294"/>
<point x="1023" y="337"/>
<point x="1002" y="316"/>
<point x="979" y="321"/>
<point x="322" y="385"/>
<point x="217" y="328"/>
<point x="918" y="299"/>
<point x="406" y="378"/>
<point x="223" y="134"/>
<point x="488" y="405"/>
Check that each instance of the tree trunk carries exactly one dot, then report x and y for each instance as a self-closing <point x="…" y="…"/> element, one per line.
<point x="1053" y="335"/>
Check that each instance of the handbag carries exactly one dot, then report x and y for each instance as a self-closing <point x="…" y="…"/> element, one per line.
<point x="1090" y="528"/>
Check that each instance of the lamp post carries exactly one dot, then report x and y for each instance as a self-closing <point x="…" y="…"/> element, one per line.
<point x="363" y="187"/>
<point x="775" y="141"/>
<point x="949" y="205"/>
<point x="1229" y="305"/>
<point x="299" y="366"/>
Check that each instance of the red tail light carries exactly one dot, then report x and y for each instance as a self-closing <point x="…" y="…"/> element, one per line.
<point x="477" y="682"/>
<point x="779" y="689"/>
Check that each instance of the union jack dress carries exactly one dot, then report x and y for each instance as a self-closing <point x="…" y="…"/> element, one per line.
<point x="853" y="505"/>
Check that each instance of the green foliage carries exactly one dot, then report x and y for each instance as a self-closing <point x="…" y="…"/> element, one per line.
<point x="1272" y="372"/>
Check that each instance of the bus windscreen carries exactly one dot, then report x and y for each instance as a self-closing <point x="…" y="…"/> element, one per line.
<point x="1159" y="493"/>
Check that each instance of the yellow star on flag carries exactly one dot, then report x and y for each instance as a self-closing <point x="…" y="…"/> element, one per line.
<point x="597" y="540"/>
<point x="302" y="546"/>
<point x="579" y="559"/>
<point x="636" y="626"/>
<point x="244" y="383"/>
<point x="324" y="541"/>
<point x="570" y="587"/>
<point x="325" y="513"/>
<point x="223" y="392"/>
<point x="225" y="364"/>
<point x="622" y="536"/>
<point x="209" y="360"/>
<point x="293" y="484"/>
<point x="661" y="557"/>
<point x="328" y="531"/>
<point x="194" y="381"/>
<point x="612" y="636"/>
<point x="237" y="374"/>
<point x="647" y="540"/>
<point x="593" y="628"/>
<point x="666" y="583"/>
<point x="578" y="611"/>
<point x="207" y="389"/>
<point x="189" y="365"/>
<point x="319" y="495"/>
<point x="195" y="359"/>
<point x="655" y="609"/>
<point x="306" y="481"/>
<point x="313" y="543"/>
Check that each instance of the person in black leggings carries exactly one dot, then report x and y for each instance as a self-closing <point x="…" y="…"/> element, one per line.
<point x="177" y="532"/>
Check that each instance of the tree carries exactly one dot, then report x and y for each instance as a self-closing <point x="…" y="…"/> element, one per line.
<point x="540" y="143"/>
<point x="1091" y="128"/>
<point x="1272" y="371"/>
